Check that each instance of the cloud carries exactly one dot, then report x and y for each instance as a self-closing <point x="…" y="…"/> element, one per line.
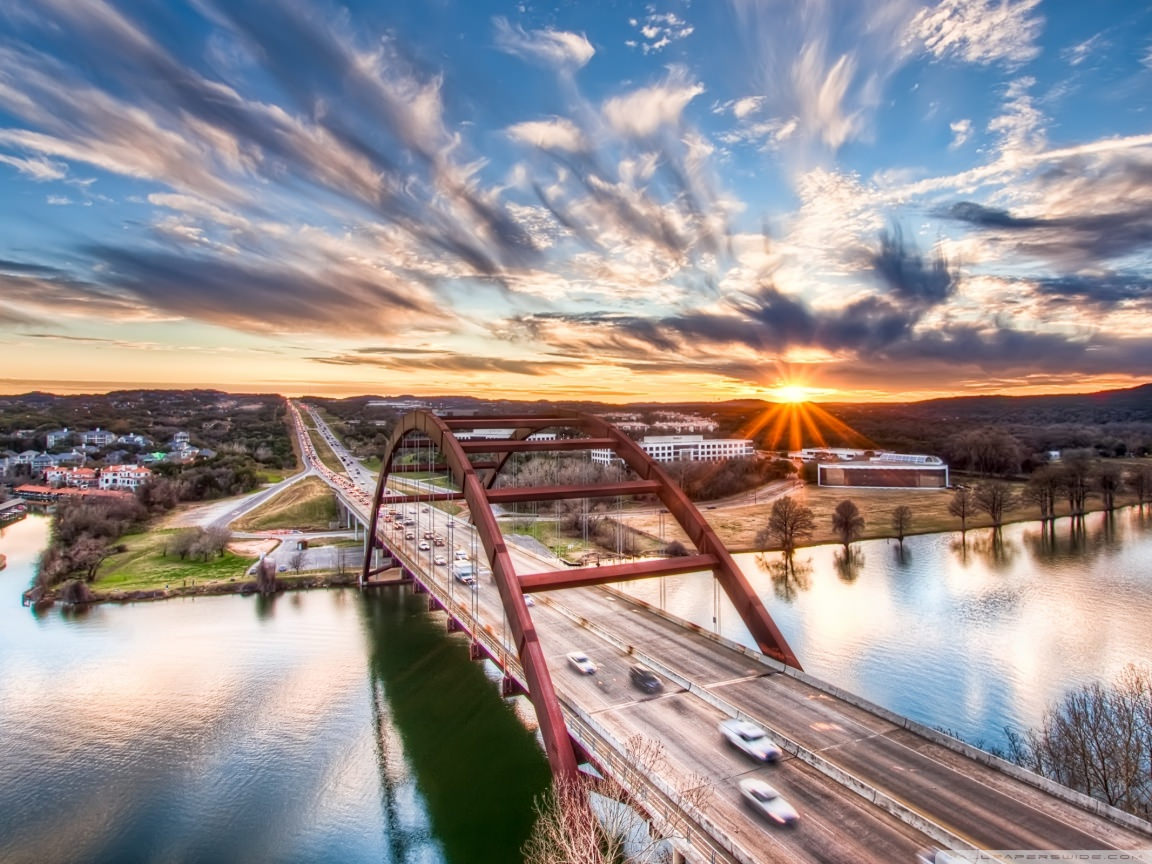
<point x="908" y="275"/>
<point x="1076" y="54"/>
<point x="648" y="110"/>
<point x="36" y="168"/>
<point x="559" y="133"/>
<point x="961" y="132"/>
<point x="658" y="30"/>
<point x="982" y="32"/>
<point x="1020" y="127"/>
<point x="444" y="361"/>
<point x="558" y="49"/>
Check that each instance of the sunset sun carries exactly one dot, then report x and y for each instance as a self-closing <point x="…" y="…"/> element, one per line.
<point x="792" y="393"/>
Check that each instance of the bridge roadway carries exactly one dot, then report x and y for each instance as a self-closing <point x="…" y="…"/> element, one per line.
<point x="972" y="804"/>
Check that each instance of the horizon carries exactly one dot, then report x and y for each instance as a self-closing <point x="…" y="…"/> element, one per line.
<point x="826" y="202"/>
<point x="81" y="392"/>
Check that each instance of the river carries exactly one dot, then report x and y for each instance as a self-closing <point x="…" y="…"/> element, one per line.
<point x="334" y="726"/>
<point x="318" y="726"/>
<point x="971" y="637"/>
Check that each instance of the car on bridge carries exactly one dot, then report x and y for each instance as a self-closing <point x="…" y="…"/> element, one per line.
<point x="461" y="555"/>
<point x="751" y="739"/>
<point x="767" y="801"/>
<point x="424" y="546"/>
<point x="440" y="561"/>
<point x="644" y="679"/>
<point x="409" y="535"/>
<point x="583" y="665"/>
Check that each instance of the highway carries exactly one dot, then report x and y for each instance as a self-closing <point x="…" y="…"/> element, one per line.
<point x="977" y="806"/>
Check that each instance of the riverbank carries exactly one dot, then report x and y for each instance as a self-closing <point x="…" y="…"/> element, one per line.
<point x="41" y="598"/>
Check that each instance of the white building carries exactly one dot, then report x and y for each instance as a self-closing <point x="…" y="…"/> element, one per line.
<point x="124" y="477"/>
<point x="685" y="422"/>
<point x="686" y="448"/>
<point x="98" y="437"/>
<point x="57" y="436"/>
<point x="885" y="471"/>
<point x="80" y="478"/>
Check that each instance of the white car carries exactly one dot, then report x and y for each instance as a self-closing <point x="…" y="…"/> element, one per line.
<point x="751" y="739"/>
<point x="580" y="660"/>
<point x="424" y="546"/>
<point x="461" y="555"/>
<point x="767" y="801"/>
<point x="529" y="600"/>
<point x="440" y="560"/>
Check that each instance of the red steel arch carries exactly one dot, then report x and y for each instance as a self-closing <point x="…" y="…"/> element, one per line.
<point x="475" y="480"/>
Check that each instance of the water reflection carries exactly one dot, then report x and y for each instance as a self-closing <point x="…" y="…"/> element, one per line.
<point x="848" y="562"/>
<point x="789" y="576"/>
<point x="970" y="633"/>
<point x="311" y="726"/>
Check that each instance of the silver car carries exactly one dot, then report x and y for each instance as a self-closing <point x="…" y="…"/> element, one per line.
<point x="580" y="660"/>
<point x="751" y="739"/>
<point x="767" y="801"/>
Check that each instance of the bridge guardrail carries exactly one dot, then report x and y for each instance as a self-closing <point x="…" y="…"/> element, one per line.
<point x="982" y="757"/>
<point x="902" y="811"/>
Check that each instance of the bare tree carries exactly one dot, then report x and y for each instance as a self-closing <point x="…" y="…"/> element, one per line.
<point x="847" y="522"/>
<point x="266" y="577"/>
<point x="1108" y="481"/>
<point x="1098" y="740"/>
<point x="901" y="521"/>
<point x="1042" y="488"/>
<point x="962" y="506"/>
<point x="1140" y="481"/>
<point x="995" y="499"/>
<point x="570" y="830"/>
<point x="296" y="560"/>
<point x="788" y="524"/>
<point x="1074" y="481"/>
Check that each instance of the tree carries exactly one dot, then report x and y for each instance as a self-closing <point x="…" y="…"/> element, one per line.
<point x="1140" y="481"/>
<point x="1098" y="740"/>
<point x="962" y="506"/>
<point x="995" y="499"/>
<point x="1108" y="482"/>
<point x="296" y="560"/>
<point x="901" y="521"/>
<point x="847" y="522"/>
<point x="87" y="554"/>
<point x="1041" y="490"/>
<point x="788" y="524"/>
<point x="1074" y="481"/>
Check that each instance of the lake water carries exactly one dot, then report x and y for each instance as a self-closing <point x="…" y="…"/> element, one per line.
<point x="968" y="637"/>
<point x="319" y="726"/>
<point x="330" y="726"/>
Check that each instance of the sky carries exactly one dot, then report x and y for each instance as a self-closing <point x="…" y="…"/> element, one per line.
<point x="611" y="201"/>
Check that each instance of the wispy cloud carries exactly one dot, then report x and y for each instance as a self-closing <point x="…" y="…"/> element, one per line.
<point x="979" y="31"/>
<point x="558" y="49"/>
<point x="657" y="30"/>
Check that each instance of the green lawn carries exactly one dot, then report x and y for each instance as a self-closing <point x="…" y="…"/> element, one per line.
<point x="373" y="464"/>
<point x="143" y="566"/>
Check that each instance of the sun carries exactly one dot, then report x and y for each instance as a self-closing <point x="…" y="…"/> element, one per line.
<point x="792" y="393"/>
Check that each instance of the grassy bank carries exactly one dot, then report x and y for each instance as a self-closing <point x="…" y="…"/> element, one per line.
<point x="324" y="452"/>
<point x="307" y="505"/>
<point x="144" y="566"/>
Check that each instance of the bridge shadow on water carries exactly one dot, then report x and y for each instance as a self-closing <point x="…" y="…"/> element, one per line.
<point x="477" y="767"/>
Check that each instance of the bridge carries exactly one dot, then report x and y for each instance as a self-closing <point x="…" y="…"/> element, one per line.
<point x="870" y="785"/>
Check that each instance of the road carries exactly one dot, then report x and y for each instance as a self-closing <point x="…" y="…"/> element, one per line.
<point x="981" y="807"/>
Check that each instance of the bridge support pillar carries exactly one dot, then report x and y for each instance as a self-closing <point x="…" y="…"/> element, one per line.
<point x="476" y="651"/>
<point x="509" y="686"/>
<point x="434" y="605"/>
<point x="678" y="857"/>
<point x="454" y="626"/>
<point x="417" y="586"/>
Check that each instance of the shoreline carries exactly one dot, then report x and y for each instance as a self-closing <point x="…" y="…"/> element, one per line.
<point x="40" y="598"/>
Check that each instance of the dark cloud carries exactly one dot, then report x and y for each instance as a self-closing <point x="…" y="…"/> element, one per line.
<point x="908" y="275"/>
<point x="262" y="296"/>
<point x="1105" y="290"/>
<point x="444" y="362"/>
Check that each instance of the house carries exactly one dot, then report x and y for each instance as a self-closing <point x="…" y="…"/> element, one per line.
<point x="134" y="440"/>
<point x="26" y="458"/>
<point x="42" y="461"/>
<point x="180" y="440"/>
<point x="130" y="477"/>
<point x="72" y="457"/>
<point x="78" y="478"/>
<point x="98" y="437"/>
<point x="57" y="437"/>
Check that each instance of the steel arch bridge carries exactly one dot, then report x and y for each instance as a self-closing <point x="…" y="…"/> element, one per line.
<point x="476" y="482"/>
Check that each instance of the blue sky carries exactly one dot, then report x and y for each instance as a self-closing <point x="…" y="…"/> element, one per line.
<point x="671" y="200"/>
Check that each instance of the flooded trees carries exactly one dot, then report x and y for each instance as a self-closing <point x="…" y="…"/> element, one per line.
<point x="847" y="522"/>
<point x="901" y="522"/>
<point x="962" y="506"/>
<point x="995" y="499"/>
<point x="788" y="524"/>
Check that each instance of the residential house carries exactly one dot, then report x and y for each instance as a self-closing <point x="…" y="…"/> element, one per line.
<point x="134" y="440"/>
<point x="26" y="458"/>
<point x="57" y="437"/>
<point x="130" y="477"/>
<point x="78" y="478"/>
<point x="72" y="457"/>
<point x="43" y="461"/>
<point x="180" y="440"/>
<point x="99" y="437"/>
